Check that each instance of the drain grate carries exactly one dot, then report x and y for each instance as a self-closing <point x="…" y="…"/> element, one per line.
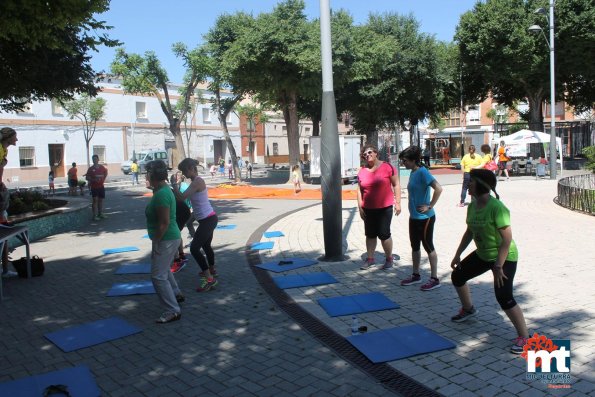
<point x="386" y="375"/>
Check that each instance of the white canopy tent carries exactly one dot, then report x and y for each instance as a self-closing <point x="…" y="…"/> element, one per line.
<point x="518" y="142"/>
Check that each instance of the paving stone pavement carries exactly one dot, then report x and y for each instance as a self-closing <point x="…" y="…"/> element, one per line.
<point x="235" y="341"/>
<point x="553" y="285"/>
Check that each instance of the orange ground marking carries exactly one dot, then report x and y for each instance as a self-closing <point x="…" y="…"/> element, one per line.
<point x="230" y="192"/>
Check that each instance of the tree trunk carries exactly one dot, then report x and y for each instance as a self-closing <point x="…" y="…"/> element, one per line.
<point x="87" y="142"/>
<point x="231" y="148"/>
<point x="290" y="115"/>
<point x="178" y="154"/>
<point x="535" y="112"/>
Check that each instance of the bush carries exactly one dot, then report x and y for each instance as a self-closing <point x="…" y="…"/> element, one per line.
<point x="589" y="153"/>
<point x="30" y="200"/>
<point x="40" y="206"/>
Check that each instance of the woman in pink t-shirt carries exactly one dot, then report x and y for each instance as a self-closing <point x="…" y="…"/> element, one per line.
<point x="379" y="189"/>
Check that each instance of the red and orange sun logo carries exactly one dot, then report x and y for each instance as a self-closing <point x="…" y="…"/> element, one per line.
<point x="536" y="343"/>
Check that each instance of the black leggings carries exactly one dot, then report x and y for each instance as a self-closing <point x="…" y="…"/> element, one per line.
<point x="473" y="266"/>
<point x="202" y="239"/>
<point x="421" y="231"/>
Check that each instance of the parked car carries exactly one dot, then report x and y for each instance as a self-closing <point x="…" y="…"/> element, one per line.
<point x="143" y="158"/>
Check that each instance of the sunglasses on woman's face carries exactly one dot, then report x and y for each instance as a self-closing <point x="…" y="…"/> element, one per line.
<point x="368" y="152"/>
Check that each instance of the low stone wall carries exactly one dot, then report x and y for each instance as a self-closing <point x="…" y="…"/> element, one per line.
<point x="74" y="214"/>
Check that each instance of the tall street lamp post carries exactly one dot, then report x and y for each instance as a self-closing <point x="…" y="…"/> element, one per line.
<point x="537" y="29"/>
<point x="330" y="161"/>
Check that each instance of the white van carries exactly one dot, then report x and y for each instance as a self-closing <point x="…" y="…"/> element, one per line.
<point x="143" y="158"/>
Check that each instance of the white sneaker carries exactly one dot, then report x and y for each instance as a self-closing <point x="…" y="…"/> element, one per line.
<point x="9" y="274"/>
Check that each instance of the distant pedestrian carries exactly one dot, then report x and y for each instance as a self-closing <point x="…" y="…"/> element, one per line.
<point x="249" y="169"/>
<point x="503" y="159"/>
<point x="489" y="226"/>
<point x="295" y="176"/>
<point x="486" y="160"/>
<point x="221" y="166"/>
<point x="165" y="239"/>
<point x="52" y="188"/>
<point x="8" y="137"/>
<point x="469" y="161"/>
<point x="73" y="181"/>
<point x="207" y="222"/>
<point x="378" y="196"/>
<point x="426" y="155"/>
<point x="134" y="171"/>
<point x="213" y="170"/>
<point x="229" y="169"/>
<point x="421" y="216"/>
<point x="241" y="166"/>
<point x="96" y="176"/>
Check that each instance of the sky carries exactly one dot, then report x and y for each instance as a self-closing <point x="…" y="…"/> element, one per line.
<point x="154" y="25"/>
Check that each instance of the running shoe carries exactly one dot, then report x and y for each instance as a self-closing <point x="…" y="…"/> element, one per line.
<point x="518" y="345"/>
<point x="367" y="264"/>
<point x="431" y="284"/>
<point x="101" y="216"/>
<point x="177" y="266"/>
<point x="460" y="204"/>
<point x="413" y="279"/>
<point x="96" y="218"/>
<point x="206" y="285"/>
<point x="213" y="272"/>
<point x="183" y="258"/>
<point x="9" y="274"/>
<point x="180" y="298"/>
<point x="388" y="263"/>
<point x="168" y="317"/>
<point x="464" y="315"/>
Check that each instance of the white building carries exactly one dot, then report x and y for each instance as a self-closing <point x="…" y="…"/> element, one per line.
<point x="47" y="137"/>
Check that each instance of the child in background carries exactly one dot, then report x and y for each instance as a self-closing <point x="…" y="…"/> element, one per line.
<point x="213" y="170"/>
<point x="295" y="176"/>
<point x="51" y="183"/>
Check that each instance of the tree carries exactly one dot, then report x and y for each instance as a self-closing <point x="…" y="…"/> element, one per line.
<point x="145" y="75"/>
<point x="254" y="114"/>
<point x="276" y="58"/>
<point x="500" y="57"/>
<point x="44" y="49"/>
<point x="88" y="111"/>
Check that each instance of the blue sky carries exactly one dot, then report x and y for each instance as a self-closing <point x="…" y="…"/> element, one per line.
<point x="144" y="25"/>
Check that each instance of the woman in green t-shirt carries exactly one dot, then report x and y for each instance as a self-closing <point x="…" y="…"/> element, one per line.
<point x="488" y="225"/>
<point x="165" y="237"/>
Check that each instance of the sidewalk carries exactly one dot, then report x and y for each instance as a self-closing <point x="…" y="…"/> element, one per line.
<point x="235" y="341"/>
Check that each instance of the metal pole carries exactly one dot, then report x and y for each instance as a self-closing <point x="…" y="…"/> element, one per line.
<point x="553" y="168"/>
<point x="330" y="161"/>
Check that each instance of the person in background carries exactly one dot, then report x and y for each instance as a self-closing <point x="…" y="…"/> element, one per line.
<point x="378" y="196"/>
<point x="240" y="166"/>
<point x="134" y="171"/>
<point x="8" y="137"/>
<point x="229" y="169"/>
<point x="426" y="155"/>
<point x="52" y="188"/>
<point x="503" y="159"/>
<point x="469" y="161"/>
<point x="221" y="166"/>
<point x="213" y="170"/>
<point x="421" y="216"/>
<point x="96" y="176"/>
<point x="165" y="240"/>
<point x="295" y="177"/>
<point x="249" y="169"/>
<point x="489" y="226"/>
<point x="73" y="181"/>
<point x="203" y="212"/>
<point x="487" y="156"/>
<point x="183" y="219"/>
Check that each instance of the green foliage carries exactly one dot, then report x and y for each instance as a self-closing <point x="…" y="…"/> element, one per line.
<point x="40" y="206"/>
<point x="45" y="46"/>
<point x="88" y="111"/>
<point x="589" y="153"/>
<point x="26" y="201"/>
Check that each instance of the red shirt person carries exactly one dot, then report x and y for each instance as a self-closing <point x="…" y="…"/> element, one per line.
<point x="96" y="176"/>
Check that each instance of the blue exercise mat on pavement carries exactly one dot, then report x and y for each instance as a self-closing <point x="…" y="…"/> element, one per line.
<point x="225" y="227"/>
<point x="265" y="245"/>
<point x="354" y="304"/>
<point x="304" y="280"/>
<point x="118" y="250"/>
<point x="400" y="342"/>
<point x="79" y="381"/>
<point x="134" y="268"/>
<point x="91" y="334"/>
<point x="285" y="264"/>
<point x="132" y="288"/>
<point x="273" y="234"/>
<point x="146" y="236"/>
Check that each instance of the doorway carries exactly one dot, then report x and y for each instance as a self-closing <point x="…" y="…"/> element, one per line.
<point x="218" y="150"/>
<point x="56" y="159"/>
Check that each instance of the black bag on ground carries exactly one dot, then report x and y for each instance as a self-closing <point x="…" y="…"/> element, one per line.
<point x="37" y="266"/>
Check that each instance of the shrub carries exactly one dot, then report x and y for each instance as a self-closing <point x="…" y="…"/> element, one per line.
<point x="40" y="206"/>
<point x="589" y="153"/>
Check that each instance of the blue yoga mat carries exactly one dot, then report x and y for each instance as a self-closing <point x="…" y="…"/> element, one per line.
<point x="132" y="288"/>
<point x="396" y="343"/>
<point x="225" y="227"/>
<point x="266" y="245"/>
<point x="134" y="268"/>
<point x="304" y="280"/>
<point x="118" y="250"/>
<point x="285" y="264"/>
<point x="91" y="334"/>
<point x="354" y="304"/>
<point x="273" y="234"/>
<point x="146" y="236"/>
<point x="79" y="381"/>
